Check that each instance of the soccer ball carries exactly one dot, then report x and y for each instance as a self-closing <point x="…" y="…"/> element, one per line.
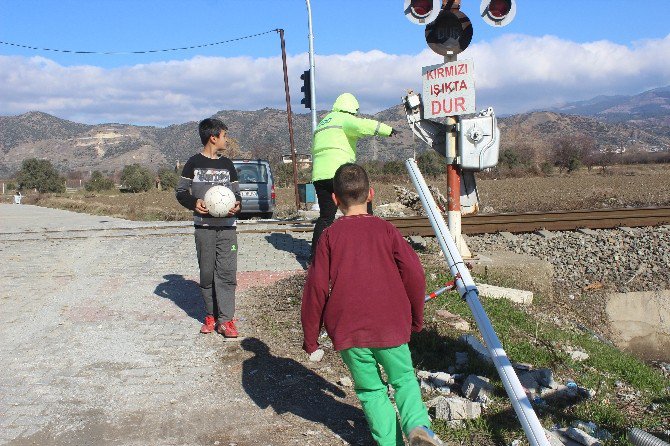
<point x="219" y="201"/>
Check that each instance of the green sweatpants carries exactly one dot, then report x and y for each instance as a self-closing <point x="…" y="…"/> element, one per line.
<point x="363" y="363"/>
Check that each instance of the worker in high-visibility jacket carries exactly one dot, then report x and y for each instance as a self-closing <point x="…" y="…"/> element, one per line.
<point x="335" y="144"/>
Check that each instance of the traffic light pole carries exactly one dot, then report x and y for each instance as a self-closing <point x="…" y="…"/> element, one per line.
<point x="290" y="120"/>
<point x="454" y="183"/>
<point x="311" y="67"/>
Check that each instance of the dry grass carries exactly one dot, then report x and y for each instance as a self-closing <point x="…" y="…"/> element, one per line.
<point x="621" y="186"/>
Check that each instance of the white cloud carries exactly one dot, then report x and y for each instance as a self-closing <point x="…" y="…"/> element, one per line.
<point x="514" y="73"/>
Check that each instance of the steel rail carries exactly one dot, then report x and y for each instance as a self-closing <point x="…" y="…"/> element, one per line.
<point x="552" y="221"/>
<point x="476" y="224"/>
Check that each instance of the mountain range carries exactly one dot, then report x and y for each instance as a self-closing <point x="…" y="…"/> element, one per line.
<point x="638" y="123"/>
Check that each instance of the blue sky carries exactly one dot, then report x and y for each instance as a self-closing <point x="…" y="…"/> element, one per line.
<point x="548" y="55"/>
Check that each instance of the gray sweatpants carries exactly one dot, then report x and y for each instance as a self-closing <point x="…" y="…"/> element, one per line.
<point x="217" y="259"/>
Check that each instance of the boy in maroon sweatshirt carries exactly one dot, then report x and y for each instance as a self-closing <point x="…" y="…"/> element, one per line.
<point x="366" y="286"/>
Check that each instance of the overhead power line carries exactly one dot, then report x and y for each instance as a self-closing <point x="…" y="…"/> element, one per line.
<point x="165" y="50"/>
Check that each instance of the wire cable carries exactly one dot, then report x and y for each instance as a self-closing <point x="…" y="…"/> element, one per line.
<point x="109" y="53"/>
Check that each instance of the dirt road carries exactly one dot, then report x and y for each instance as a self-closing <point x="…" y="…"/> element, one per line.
<point x="99" y="322"/>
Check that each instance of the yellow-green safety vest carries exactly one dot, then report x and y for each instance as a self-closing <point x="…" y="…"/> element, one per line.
<point x="335" y="141"/>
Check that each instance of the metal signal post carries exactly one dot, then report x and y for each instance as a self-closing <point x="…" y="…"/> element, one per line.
<point x="312" y="92"/>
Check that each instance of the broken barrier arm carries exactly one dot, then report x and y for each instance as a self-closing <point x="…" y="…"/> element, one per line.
<point x="468" y="291"/>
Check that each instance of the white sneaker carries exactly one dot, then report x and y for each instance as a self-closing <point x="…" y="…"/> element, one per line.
<point x="422" y="436"/>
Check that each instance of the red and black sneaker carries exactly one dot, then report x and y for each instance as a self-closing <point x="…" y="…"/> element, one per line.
<point x="208" y="326"/>
<point x="227" y="329"/>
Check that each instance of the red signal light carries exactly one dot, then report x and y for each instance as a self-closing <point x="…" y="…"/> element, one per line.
<point x="500" y="8"/>
<point x="421" y="8"/>
<point x="422" y="12"/>
<point x="498" y="12"/>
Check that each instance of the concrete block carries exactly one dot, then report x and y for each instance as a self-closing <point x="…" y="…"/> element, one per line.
<point x="640" y="323"/>
<point x="417" y="241"/>
<point x="545" y="377"/>
<point x="525" y="271"/>
<point x="455" y="408"/>
<point x="582" y="437"/>
<point x="477" y="388"/>
<point x="545" y="234"/>
<point x="536" y="380"/>
<point x="528" y="381"/>
<point x="496" y="292"/>
<point x="559" y="438"/>
<point x="626" y="229"/>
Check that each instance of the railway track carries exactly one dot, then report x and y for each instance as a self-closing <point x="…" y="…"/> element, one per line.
<point x="477" y="224"/>
<point x="523" y="222"/>
<point x="551" y="221"/>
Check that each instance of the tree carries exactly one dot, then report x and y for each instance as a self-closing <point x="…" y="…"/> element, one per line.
<point x="510" y="158"/>
<point x="431" y="163"/>
<point x="98" y="182"/>
<point x="568" y="153"/>
<point x="521" y="155"/>
<point x="137" y="178"/>
<point x="394" y="168"/>
<point x="589" y="150"/>
<point x="41" y="175"/>
<point x="168" y="178"/>
<point x="606" y="158"/>
<point x="283" y="175"/>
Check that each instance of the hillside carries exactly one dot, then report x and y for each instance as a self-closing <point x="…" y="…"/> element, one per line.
<point x="73" y="146"/>
<point x="651" y="107"/>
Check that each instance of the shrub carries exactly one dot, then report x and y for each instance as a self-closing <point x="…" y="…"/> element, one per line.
<point x="394" y="168"/>
<point x="547" y="168"/>
<point x="574" y="164"/>
<point x="283" y="175"/>
<point x="168" y="178"/>
<point x="509" y="158"/>
<point x="136" y="178"/>
<point x="98" y="182"/>
<point x="41" y="175"/>
<point x="431" y="163"/>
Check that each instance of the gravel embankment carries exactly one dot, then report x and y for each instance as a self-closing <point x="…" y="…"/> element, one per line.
<point x="634" y="260"/>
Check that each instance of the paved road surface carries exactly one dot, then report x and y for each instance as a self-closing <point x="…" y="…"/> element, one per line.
<point x="98" y="328"/>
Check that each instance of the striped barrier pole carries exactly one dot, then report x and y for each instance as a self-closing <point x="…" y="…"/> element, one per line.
<point x="468" y="291"/>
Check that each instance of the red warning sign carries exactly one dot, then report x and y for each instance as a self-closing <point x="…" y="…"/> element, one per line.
<point x="448" y="89"/>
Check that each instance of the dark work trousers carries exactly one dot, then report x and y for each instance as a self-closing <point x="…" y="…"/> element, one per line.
<point x="217" y="259"/>
<point x="327" y="209"/>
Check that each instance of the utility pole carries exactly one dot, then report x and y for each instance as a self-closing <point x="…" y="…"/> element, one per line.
<point x="290" y="120"/>
<point x="310" y="37"/>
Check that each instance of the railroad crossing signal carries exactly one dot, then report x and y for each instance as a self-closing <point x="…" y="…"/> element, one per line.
<point x="498" y="12"/>
<point x="422" y="12"/>
<point x="448" y="30"/>
<point x="450" y="33"/>
<point x="306" y="89"/>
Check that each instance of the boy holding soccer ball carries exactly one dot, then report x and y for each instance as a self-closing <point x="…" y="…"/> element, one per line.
<point x="215" y="237"/>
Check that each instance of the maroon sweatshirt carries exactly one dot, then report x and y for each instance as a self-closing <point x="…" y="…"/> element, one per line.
<point x="366" y="286"/>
